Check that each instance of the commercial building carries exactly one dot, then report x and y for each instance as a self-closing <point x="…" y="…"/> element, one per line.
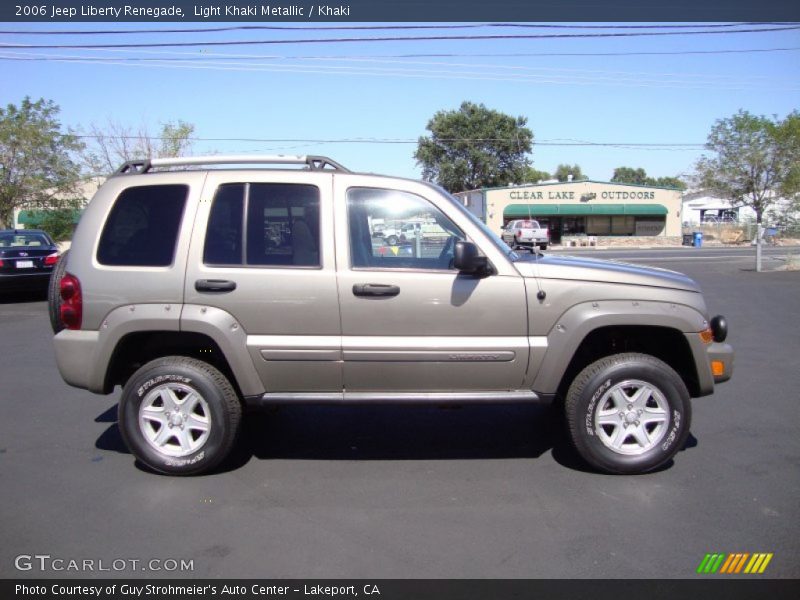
<point x="575" y="209"/>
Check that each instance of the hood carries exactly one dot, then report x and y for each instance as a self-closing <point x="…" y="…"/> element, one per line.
<point x="600" y="270"/>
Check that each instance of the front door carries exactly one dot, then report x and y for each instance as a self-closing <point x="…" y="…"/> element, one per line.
<point x="410" y="321"/>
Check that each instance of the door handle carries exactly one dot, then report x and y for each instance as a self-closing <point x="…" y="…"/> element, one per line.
<point x="214" y="285"/>
<point x="375" y="289"/>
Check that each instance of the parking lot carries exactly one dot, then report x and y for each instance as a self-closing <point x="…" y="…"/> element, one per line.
<point x="423" y="492"/>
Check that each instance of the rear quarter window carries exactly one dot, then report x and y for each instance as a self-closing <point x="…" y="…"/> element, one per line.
<point x="142" y="227"/>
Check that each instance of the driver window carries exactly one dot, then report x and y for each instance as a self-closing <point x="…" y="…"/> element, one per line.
<point x="393" y="229"/>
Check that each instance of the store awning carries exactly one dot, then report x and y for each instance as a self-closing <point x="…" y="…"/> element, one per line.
<point x="520" y="211"/>
<point x="645" y="209"/>
<point x="32" y="217"/>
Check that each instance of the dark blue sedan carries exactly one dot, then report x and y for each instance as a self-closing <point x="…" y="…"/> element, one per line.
<point x="27" y="258"/>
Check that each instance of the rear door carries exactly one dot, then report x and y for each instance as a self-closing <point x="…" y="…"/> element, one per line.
<point x="263" y="251"/>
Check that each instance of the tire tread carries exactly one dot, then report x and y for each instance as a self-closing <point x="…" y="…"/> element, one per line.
<point x="232" y="407"/>
<point x="578" y="386"/>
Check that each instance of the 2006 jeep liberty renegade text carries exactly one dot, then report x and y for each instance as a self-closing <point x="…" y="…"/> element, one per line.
<point x="202" y="291"/>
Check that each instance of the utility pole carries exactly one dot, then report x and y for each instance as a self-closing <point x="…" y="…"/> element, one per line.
<point x="758" y="246"/>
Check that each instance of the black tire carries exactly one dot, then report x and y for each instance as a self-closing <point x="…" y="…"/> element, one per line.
<point x="542" y="246"/>
<point x="615" y="431"/>
<point x="392" y="240"/>
<point x="151" y="385"/>
<point x="54" y="293"/>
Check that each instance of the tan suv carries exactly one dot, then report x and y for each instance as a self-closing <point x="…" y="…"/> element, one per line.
<point x="202" y="289"/>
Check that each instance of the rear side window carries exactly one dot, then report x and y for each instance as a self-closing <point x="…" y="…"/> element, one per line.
<point x="142" y="228"/>
<point x="224" y="236"/>
<point x="281" y="226"/>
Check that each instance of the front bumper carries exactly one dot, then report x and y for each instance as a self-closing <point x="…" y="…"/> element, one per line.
<point x="707" y="357"/>
<point x="720" y="358"/>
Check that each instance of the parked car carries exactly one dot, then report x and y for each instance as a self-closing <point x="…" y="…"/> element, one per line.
<point x="173" y="290"/>
<point x="27" y="258"/>
<point x="526" y="232"/>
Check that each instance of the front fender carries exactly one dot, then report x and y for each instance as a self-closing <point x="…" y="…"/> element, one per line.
<point x="572" y="327"/>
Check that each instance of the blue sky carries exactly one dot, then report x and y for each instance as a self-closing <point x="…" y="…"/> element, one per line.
<point x="368" y="91"/>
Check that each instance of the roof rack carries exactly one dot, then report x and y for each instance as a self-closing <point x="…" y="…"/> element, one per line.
<point x="314" y="163"/>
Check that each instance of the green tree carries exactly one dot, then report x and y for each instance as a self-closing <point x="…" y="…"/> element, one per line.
<point x="59" y="223"/>
<point x="474" y="147"/>
<point x="630" y="175"/>
<point x="114" y="143"/>
<point x="563" y="173"/>
<point x="667" y="182"/>
<point x="753" y="160"/>
<point x="37" y="169"/>
<point x="787" y="136"/>
<point x="639" y="177"/>
<point x="531" y="175"/>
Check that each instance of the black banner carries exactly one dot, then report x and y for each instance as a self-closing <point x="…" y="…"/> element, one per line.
<point x="396" y="589"/>
<point x="399" y="10"/>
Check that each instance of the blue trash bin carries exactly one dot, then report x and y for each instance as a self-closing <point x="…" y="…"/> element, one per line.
<point x="698" y="239"/>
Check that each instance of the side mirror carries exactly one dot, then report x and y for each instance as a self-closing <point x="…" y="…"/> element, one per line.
<point x="467" y="260"/>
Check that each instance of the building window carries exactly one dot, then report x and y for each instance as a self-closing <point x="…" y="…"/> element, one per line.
<point x="623" y="225"/>
<point x="574" y="225"/>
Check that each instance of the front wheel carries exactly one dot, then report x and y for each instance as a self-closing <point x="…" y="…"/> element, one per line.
<point x="628" y="413"/>
<point x="179" y="416"/>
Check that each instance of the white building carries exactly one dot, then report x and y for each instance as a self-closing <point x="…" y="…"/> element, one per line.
<point x="701" y="206"/>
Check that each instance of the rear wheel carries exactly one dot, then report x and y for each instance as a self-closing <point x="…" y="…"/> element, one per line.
<point x="392" y="240"/>
<point x="179" y="416"/>
<point x="628" y="413"/>
<point x="54" y="299"/>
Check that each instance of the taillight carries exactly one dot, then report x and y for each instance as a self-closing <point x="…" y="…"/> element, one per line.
<point x="51" y="260"/>
<point x="519" y="233"/>
<point x="72" y="302"/>
<point x="1" y="262"/>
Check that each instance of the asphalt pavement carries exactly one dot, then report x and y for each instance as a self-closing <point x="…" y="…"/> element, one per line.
<point x="422" y="492"/>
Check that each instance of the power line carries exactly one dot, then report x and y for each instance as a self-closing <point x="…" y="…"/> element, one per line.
<point x="380" y="59"/>
<point x="399" y="141"/>
<point x="380" y="28"/>
<point x="393" y="39"/>
<point x="582" y="80"/>
<point x="214" y="58"/>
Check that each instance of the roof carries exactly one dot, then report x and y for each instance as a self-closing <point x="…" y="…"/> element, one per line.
<point x="534" y="185"/>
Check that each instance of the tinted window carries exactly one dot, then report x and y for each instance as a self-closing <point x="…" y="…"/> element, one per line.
<point x="282" y="226"/>
<point x="224" y="234"/>
<point x="392" y="229"/>
<point x="142" y="229"/>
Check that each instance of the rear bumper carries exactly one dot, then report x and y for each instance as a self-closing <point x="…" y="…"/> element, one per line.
<point x="19" y="282"/>
<point x="76" y="357"/>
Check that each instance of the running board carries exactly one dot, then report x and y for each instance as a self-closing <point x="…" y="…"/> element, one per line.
<point x="502" y="397"/>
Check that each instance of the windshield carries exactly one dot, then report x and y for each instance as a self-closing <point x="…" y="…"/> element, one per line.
<point x="23" y="240"/>
<point x="493" y="237"/>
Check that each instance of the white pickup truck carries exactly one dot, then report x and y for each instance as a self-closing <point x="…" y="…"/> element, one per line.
<point x="526" y="232"/>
